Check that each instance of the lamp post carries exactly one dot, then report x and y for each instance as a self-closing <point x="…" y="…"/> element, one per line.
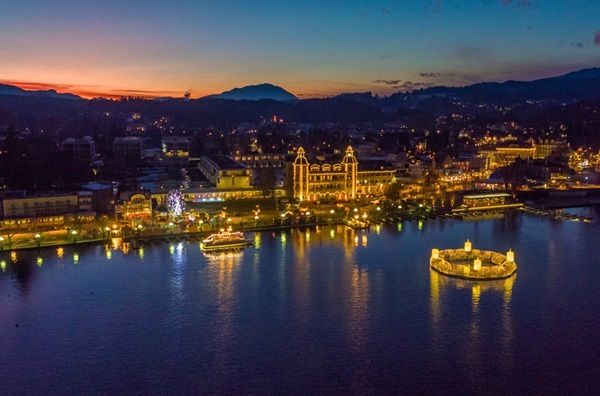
<point x="74" y="236"/>
<point x="1" y="243"/>
<point x="38" y="239"/>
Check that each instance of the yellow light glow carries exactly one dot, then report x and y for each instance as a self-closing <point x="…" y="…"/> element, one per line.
<point x="510" y="256"/>
<point x="468" y="246"/>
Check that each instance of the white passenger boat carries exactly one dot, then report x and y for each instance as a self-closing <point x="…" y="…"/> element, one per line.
<point x="225" y="240"/>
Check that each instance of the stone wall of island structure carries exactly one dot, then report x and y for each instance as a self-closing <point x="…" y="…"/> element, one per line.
<point x="472" y="263"/>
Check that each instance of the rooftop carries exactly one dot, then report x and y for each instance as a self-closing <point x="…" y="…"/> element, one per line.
<point x="224" y="162"/>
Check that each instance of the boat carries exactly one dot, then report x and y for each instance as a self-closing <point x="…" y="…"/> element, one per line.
<point x="225" y="240"/>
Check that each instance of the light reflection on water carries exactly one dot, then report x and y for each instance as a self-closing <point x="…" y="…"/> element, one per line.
<point x="329" y="309"/>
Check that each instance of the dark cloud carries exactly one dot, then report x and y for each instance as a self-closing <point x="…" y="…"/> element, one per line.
<point x="143" y="92"/>
<point x="578" y="44"/>
<point x="87" y="90"/>
<point x="430" y="74"/>
<point x="411" y="86"/>
<point x="384" y="57"/>
<point x="403" y="86"/>
<point x="388" y="82"/>
<point x="597" y="39"/>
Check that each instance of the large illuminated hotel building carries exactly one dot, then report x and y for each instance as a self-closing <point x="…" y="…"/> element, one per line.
<point x="340" y="181"/>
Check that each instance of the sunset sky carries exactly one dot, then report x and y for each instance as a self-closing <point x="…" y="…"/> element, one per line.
<point x="311" y="48"/>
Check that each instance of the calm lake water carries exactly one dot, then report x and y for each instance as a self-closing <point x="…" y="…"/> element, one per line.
<point x="308" y="311"/>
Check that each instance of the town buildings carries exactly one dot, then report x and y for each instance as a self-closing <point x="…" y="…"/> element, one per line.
<point x="339" y="181"/>
<point x="224" y="173"/>
<point x="79" y="149"/>
<point x="134" y="207"/>
<point x="23" y="211"/>
<point x="176" y="147"/>
<point x="128" y="148"/>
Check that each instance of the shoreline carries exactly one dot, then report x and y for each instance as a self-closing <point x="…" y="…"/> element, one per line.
<point x="141" y="239"/>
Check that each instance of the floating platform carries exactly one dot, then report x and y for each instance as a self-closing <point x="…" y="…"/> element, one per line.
<point x="473" y="264"/>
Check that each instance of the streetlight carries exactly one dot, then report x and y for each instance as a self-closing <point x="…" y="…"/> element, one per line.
<point x="1" y="242"/>
<point x="74" y="235"/>
<point x="38" y="238"/>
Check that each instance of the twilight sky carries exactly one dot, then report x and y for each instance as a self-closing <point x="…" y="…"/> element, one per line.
<point x="311" y="48"/>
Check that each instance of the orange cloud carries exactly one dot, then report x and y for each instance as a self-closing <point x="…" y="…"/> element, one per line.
<point x="90" y="91"/>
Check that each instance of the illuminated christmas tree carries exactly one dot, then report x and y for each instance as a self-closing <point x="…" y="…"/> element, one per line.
<point x="175" y="203"/>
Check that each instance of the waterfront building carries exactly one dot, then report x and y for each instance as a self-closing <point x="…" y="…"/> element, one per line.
<point x="340" y="181"/>
<point x="19" y="204"/>
<point x="134" y="206"/>
<point x="103" y="199"/>
<point x="79" y="149"/>
<point x="487" y="201"/>
<point x="23" y="211"/>
<point x="225" y="173"/>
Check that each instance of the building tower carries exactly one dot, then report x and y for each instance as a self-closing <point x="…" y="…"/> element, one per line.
<point x="351" y="169"/>
<point x="301" y="175"/>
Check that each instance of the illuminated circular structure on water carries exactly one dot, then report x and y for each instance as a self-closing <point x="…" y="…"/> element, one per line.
<point x="469" y="263"/>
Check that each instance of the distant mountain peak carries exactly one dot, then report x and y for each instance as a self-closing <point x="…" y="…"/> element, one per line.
<point x="11" y="90"/>
<point x="256" y="92"/>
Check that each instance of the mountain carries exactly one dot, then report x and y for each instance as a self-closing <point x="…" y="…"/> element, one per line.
<point x="575" y="86"/>
<point x="11" y="90"/>
<point x="256" y="92"/>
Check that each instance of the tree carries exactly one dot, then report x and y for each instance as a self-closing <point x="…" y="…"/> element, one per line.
<point x="393" y="191"/>
<point x="267" y="181"/>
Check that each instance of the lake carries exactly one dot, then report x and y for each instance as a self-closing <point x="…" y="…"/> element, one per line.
<point x="327" y="310"/>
